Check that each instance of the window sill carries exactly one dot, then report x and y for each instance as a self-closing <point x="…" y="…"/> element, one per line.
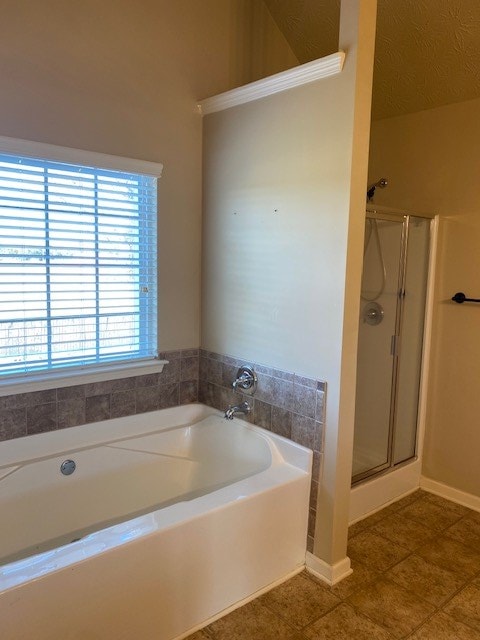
<point x="43" y="381"/>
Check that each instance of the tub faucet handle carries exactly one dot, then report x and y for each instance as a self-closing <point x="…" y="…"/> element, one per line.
<point x="246" y="379"/>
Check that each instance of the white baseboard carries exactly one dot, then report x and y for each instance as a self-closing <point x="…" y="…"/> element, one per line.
<point x="450" y="493"/>
<point x="329" y="573"/>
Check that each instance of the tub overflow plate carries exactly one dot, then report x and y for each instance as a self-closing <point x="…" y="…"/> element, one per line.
<point x="68" y="467"/>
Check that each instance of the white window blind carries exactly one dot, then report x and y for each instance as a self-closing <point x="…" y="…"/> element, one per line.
<point x="78" y="266"/>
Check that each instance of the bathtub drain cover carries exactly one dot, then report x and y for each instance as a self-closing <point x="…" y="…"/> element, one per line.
<point x="67" y="467"/>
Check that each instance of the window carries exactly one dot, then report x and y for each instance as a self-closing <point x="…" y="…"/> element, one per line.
<point x="77" y="264"/>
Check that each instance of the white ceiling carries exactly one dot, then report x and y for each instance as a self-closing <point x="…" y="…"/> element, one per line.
<point x="427" y="51"/>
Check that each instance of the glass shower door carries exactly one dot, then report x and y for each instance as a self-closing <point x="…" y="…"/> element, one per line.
<point x="390" y="342"/>
<point x="375" y="362"/>
<point x="410" y="357"/>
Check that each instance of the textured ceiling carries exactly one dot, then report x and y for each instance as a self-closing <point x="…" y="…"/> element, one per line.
<point x="310" y="26"/>
<point x="427" y="52"/>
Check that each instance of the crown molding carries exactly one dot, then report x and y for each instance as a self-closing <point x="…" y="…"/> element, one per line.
<point x="303" y="74"/>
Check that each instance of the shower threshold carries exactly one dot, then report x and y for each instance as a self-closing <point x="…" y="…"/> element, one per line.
<point x="375" y="492"/>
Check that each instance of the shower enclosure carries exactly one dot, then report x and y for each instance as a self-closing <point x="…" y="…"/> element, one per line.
<point x="392" y="311"/>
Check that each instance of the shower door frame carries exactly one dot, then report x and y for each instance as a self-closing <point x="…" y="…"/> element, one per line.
<point x="400" y="217"/>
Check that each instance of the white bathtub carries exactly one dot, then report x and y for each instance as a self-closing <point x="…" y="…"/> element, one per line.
<point x="169" y="518"/>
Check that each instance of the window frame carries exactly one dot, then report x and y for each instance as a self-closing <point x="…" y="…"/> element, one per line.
<point x="55" y="378"/>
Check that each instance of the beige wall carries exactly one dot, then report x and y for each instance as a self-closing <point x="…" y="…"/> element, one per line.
<point x="283" y="229"/>
<point x="432" y="161"/>
<point x="274" y="250"/>
<point x="123" y="77"/>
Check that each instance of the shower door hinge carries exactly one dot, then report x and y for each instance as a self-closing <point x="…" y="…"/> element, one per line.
<point x="394" y="345"/>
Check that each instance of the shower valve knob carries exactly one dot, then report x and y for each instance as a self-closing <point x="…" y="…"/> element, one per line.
<point x="246" y="379"/>
<point x="373" y="313"/>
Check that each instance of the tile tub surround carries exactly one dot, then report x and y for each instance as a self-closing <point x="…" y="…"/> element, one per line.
<point x="36" y="412"/>
<point x="285" y="403"/>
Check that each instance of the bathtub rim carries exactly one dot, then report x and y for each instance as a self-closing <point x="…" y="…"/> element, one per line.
<point x="38" y="446"/>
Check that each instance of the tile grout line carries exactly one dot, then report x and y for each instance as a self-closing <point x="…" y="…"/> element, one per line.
<point x="382" y="574"/>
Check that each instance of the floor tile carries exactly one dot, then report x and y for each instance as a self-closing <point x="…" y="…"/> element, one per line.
<point x="360" y="577"/>
<point x="389" y="510"/>
<point x="443" y="627"/>
<point x="452" y="555"/>
<point x="392" y="607"/>
<point x="299" y="601"/>
<point x="430" y="515"/>
<point x="475" y="515"/>
<point x="375" y="551"/>
<point x="412" y="497"/>
<point x="425" y="580"/>
<point x="344" y="623"/>
<point x="359" y="526"/>
<point x="466" y="531"/>
<point x="251" y="621"/>
<point x="403" y="531"/>
<point x="380" y="515"/>
<point x="465" y="607"/>
<point x="447" y="504"/>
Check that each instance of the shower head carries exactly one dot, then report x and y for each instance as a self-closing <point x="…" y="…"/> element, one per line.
<point x="382" y="183"/>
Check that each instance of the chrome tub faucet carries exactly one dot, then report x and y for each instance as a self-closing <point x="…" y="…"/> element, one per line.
<point x="244" y="407"/>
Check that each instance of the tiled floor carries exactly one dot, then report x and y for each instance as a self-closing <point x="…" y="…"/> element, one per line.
<point x="416" y="575"/>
